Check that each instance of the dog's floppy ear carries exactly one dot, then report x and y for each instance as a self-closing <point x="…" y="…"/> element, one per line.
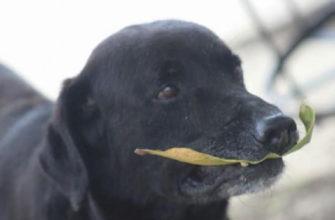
<point x="60" y="158"/>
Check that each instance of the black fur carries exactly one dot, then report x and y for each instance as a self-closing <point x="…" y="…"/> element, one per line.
<point x="74" y="160"/>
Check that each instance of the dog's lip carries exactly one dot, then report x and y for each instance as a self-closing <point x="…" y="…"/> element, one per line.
<point x="207" y="179"/>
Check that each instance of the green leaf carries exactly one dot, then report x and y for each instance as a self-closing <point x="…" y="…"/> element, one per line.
<point x="307" y="116"/>
<point x="187" y="155"/>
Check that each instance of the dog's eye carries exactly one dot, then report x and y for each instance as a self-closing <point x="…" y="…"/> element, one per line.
<point x="168" y="92"/>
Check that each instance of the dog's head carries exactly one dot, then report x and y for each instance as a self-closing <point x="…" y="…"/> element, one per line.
<point x="158" y="85"/>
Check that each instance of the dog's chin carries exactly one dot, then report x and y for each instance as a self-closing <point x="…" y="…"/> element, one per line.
<point x="206" y="184"/>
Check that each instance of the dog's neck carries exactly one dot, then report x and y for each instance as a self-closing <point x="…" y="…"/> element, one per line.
<point x="159" y="209"/>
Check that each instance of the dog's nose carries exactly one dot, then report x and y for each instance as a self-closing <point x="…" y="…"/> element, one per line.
<point x="278" y="134"/>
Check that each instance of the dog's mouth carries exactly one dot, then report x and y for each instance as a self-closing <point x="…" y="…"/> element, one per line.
<point x="225" y="181"/>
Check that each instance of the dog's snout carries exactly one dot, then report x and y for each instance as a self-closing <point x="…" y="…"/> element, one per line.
<point x="278" y="134"/>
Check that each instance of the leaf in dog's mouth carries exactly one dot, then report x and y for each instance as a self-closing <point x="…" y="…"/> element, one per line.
<point x="187" y="155"/>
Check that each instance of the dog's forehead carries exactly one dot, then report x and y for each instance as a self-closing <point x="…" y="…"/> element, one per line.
<point x="165" y="46"/>
<point x="169" y="31"/>
<point x="149" y="42"/>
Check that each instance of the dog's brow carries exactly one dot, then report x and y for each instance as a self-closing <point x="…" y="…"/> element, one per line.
<point x="171" y="69"/>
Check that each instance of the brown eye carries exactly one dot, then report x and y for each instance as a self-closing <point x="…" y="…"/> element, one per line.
<point x="168" y="92"/>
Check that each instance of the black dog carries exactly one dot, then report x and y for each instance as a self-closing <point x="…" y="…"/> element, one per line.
<point x="167" y="83"/>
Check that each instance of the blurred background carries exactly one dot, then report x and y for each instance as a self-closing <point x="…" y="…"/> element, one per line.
<point x="288" y="53"/>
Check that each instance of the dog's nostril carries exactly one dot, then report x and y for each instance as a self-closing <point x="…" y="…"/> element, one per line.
<point x="277" y="134"/>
